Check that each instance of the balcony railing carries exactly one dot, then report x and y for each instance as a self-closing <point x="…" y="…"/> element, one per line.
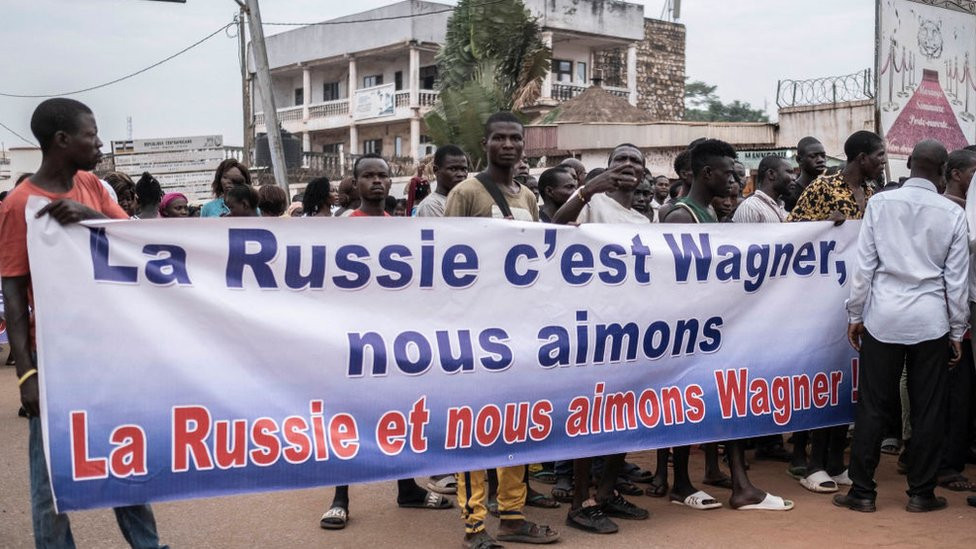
<point x="565" y="92"/>
<point x="338" y="107"/>
<point x="427" y="98"/>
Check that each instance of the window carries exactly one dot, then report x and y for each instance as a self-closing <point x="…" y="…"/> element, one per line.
<point x="562" y="71"/>
<point x="372" y="80"/>
<point x="330" y="91"/>
<point x="331" y="148"/>
<point x="398" y="146"/>
<point x="373" y="146"/>
<point x="299" y="96"/>
<point x="428" y="77"/>
<point x="398" y="80"/>
<point x="581" y="73"/>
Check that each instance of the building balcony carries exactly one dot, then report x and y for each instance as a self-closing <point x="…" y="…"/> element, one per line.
<point x="335" y="114"/>
<point x="565" y="92"/>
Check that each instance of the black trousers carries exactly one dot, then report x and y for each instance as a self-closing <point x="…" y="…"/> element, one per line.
<point x="959" y="395"/>
<point x="879" y="375"/>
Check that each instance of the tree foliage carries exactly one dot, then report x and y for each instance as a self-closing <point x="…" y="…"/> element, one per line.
<point x="703" y="105"/>
<point x="493" y="59"/>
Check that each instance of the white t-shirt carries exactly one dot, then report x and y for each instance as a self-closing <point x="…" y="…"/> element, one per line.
<point x="603" y="209"/>
<point x="432" y="206"/>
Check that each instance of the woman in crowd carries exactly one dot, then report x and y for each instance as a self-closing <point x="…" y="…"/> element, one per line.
<point x="272" y="200"/>
<point x="229" y="173"/>
<point x="148" y="195"/>
<point x="174" y="205"/>
<point x="318" y="198"/>
<point x="125" y="191"/>
<point x="241" y="201"/>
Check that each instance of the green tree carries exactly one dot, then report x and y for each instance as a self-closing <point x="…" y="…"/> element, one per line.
<point x="493" y="59"/>
<point x="703" y="105"/>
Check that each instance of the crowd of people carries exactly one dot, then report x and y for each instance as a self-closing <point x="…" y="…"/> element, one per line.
<point x="909" y="309"/>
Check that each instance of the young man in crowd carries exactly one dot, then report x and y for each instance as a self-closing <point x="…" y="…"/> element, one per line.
<point x="450" y="168"/>
<point x="371" y="174"/>
<point x="959" y="174"/>
<point x="556" y="185"/>
<point x="607" y="198"/>
<point x="713" y="169"/>
<point x="68" y="136"/>
<point x="838" y="198"/>
<point x="348" y="197"/>
<point x="812" y="160"/>
<point x="765" y="204"/>
<point x="494" y="193"/>
<point x="642" y="198"/>
<point x="908" y="309"/>
<point x="577" y="168"/>
<point x="661" y="190"/>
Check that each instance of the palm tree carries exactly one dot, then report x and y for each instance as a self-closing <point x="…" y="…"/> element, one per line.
<point x="493" y="59"/>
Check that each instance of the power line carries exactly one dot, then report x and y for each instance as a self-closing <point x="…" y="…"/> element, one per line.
<point x="22" y="138"/>
<point x="126" y="77"/>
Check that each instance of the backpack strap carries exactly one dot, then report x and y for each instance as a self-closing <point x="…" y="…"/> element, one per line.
<point x="496" y="194"/>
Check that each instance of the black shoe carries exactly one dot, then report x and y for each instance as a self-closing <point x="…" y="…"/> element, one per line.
<point x="971" y="500"/>
<point x="863" y="505"/>
<point x="22" y="412"/>
<point x="924" y="504"/>
<point x="591" y="519"/>
<point x="618" y="507"/>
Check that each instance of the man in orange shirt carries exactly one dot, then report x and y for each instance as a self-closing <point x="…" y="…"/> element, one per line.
<point x="68" y="136"/>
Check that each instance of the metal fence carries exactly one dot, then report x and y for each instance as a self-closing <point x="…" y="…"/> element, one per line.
<point x="825" y="91"/>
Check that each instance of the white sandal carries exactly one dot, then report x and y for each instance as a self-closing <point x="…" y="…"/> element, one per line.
<point x="819" y="482"/>
<point x="700" y="500"/>
<point x="334" y="519"/>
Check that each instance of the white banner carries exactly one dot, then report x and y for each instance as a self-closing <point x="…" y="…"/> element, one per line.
<point x="374" y="102"/>
<point x="251" y="354"/>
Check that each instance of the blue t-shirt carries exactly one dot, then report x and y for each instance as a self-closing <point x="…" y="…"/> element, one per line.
<point x="214" y="208"/>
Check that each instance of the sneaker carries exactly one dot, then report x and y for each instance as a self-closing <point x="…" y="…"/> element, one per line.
<point x="618" y="507"/>
<point x="591" y="519"/>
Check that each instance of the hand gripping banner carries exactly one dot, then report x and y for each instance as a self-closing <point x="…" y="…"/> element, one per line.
<point x="193" y="358"/>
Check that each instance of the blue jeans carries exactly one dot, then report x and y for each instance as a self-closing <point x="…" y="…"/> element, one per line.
<point x="53" y="530"/>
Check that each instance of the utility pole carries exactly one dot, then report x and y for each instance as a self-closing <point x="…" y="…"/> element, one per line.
<point x="267" y="95"/>
<point x="245" y="87"/>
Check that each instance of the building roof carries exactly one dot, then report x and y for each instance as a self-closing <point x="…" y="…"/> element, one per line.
<point x="399" y="23"/>
<point x="596" y="105"/>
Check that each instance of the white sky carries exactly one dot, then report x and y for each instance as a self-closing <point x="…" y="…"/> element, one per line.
<point x="53" y="46"/>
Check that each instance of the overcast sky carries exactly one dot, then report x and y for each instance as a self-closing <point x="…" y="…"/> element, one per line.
<point x="55" y="46"/>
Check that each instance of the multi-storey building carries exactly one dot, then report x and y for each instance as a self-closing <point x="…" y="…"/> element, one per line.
<point x="362" y="83"/>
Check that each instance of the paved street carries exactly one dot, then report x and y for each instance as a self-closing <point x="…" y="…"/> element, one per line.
<point x="290" y="519"/>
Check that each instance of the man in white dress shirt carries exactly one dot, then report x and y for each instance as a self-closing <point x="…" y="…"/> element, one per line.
<point x="908" y="307"/>
<point x="765" y="205"/>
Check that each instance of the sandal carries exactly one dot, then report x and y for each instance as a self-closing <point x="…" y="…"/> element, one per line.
<point x="433" y="500"/>
<point x="535" y="499"/>
<point x="334" y="519"/>
<point x="633" y="473"/>
<point x="627" y="488"/>
<point x="891" y="446"/>
<point x="529" y="532"/>
<point x="544" y="476"/>
<point x="657" y="489"/>
<point x="492" y="507"/>
<point x="563" y="493"/>
<point x="445" y="484"/>
<point x="957" y="483"/>
<point x="481" y="540"/>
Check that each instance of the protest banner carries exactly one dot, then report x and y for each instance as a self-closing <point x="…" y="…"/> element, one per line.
<point x="192" y="358"/>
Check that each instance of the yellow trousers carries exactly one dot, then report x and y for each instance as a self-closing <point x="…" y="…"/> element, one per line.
<point x="472" y="495"/>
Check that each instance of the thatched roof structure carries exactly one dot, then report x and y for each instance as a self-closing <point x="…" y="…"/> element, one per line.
<point x="595" y="105"/>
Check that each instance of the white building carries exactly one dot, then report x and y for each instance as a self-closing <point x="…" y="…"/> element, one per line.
<point x="16" y="161"/>
<point x="363" y="82"/>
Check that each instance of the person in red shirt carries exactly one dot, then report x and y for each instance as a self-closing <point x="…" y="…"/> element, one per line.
<point x="68" y="136"/>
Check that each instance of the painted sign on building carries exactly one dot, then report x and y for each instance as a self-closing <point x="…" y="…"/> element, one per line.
<point x="180" y="164"/>
<point x="926" y="80"/>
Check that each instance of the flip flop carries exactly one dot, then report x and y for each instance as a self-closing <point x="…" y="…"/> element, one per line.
<point x="769" y="503"/>
<point x="627" y="488"/>
<point x="481" y="540"/>
<point x="636" y="474"/>
<point x="444" y="485"/>
<point x="432" y="501"/>
<point x="657" y="490"/>
<point x="544" y="476"/>
<point x="562" y="494"/>
<point x="541" y="500"/>
<point x="334" y="519"/>
<point x="699" y="500"/>
<point x="797" y="471"/>
<point x="843" y="479"/>
<point x="957" y="483"/>
<point x="890" y="446"/>
<point x="819" y="482"/>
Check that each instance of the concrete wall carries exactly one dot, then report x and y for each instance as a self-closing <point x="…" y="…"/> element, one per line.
<point x="325" y="41"/>
<point x="831" y="124"/>
<point x="601" y="17"/>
